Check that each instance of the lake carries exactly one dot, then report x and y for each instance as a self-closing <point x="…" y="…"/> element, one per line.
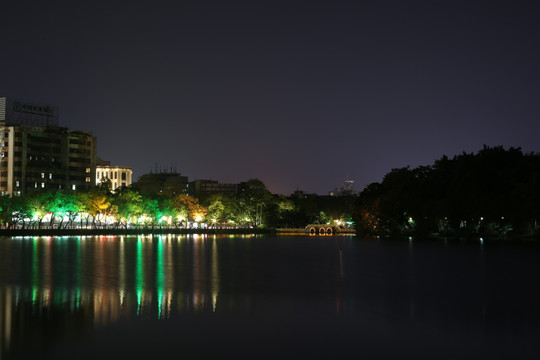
<point x="266" y="297"/>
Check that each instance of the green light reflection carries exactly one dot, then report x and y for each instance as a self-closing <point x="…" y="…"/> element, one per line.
<point x="160" y="275"/>
<point x="35" y="270"/>
<point x="78" y="273"/>
<point x="139" y="273"/>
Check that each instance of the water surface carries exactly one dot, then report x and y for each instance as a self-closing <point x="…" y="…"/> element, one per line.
<point x="198" y="296"/>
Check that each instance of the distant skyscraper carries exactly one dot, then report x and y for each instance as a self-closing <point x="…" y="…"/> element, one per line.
<point x="345" y="190"/>
<point x="35" y="153"/>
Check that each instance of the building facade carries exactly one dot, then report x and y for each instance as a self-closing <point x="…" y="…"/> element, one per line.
<point x="37" y="154"/>
<point x="117" y="175"/>
<point x="163" y="184"/>
<point x="204" y="187"/>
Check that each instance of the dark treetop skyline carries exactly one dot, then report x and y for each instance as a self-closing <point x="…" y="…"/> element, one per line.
<point x="296" y="93"/>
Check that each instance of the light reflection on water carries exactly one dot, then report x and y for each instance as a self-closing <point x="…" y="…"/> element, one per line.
<point x="63" y="290"/>
<point x="142" y="274"/>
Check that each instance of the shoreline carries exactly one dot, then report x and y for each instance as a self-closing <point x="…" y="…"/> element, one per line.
<point x="144" y="231"/>
<point x="155" y="230"/>
<point x="246" y="231"/>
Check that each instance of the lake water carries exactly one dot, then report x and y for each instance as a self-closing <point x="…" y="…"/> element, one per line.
<point x="264" y="297"/>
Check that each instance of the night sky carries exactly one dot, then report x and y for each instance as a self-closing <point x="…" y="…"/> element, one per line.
<point x="299" y="94"/>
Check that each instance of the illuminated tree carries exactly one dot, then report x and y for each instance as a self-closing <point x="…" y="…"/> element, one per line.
<point x="64" y="204"/>
<point x="253" y="202"/>
<point x="323" y="218"/>
<point x="195" y="211"/>
<point x="37" y="205"/>
<point x="14" y="210"/>
<point x="280" y="212"/>
<point x="221" y="208"/>
<point x="215" y="211"/>
<point x="284" y="205"/>
<point x="97" y="204"/>
<point x="150" y="208"/>
<point x="127" y="204"/>
<point x="167" y="209"/>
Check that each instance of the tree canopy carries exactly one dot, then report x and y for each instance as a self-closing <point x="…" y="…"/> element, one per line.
<point x="493" y="192"/>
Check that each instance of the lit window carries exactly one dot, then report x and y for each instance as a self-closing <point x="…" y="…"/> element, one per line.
<point x="87" y="170"/>
<point x="42" y="185"/>
<point x="87" y="179"/>
<point x="35" y="185"/>
<point x="43" y="175"/>
<point x="17" y="183"/>
<point x="73" y="187"/>
<point x="50" y="175"/>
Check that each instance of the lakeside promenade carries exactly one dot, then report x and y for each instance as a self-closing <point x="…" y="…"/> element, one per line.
<point x="134" y="231"/>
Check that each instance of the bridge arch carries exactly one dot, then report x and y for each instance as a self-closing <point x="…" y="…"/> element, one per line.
<point x="321" y="229"/>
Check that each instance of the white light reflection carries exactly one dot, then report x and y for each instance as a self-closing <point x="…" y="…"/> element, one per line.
<point x="215" y="274"/>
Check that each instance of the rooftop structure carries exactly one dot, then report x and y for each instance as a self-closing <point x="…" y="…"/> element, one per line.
<point x="35" y="153"/>
<point x="200" y="187"/>
<point x="26" y="113"/>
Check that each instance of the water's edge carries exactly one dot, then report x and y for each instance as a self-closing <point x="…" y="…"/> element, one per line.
<point x="120" y="231"/>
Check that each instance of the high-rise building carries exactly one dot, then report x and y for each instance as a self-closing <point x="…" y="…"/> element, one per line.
<point x="36" y="153"/>
<point x="345" y="190"/>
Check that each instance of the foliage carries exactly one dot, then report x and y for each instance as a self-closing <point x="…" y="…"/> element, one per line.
<point x="254" y="206"/>
<point x="127" y="204"/>
<point x="493" y="192"/>
<point x="253" y="203"/>
<point x="97" y="202"/>
<point x="195" y="211"/>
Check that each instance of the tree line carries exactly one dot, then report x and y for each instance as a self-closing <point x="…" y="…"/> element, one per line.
<point x="494" y="192"/>
<point x="143" y="205"/>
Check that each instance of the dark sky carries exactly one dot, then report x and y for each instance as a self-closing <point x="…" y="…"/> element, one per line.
<point x="300" y="94"/>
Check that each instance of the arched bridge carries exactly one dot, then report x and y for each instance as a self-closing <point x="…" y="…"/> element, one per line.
<point x="321" y="229"/>
<point x="317" y="229"/>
